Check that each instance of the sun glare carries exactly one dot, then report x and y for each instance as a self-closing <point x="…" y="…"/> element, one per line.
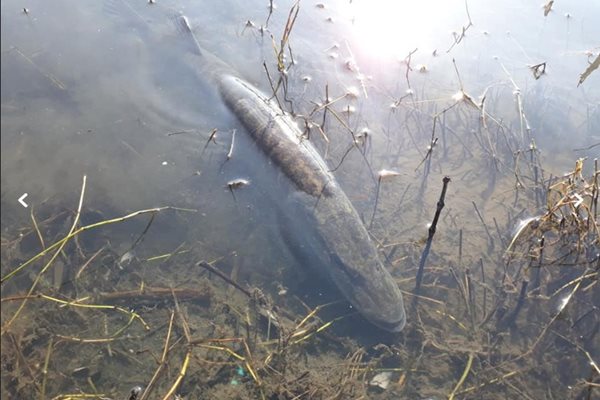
<point x="391" y="28"/>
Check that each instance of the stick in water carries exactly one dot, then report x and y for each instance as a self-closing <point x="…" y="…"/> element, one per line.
<point x="440" y="206"/>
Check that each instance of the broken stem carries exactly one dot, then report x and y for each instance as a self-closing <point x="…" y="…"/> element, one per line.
<point x="432" y="228"/>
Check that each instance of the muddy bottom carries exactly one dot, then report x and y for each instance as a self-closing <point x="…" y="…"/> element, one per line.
<point x="113" y="310"/>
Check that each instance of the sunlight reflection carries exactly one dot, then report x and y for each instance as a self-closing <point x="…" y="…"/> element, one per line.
<point x="391" y="28"/>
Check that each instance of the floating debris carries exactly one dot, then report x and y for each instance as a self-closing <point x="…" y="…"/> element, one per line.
<point x="281" y="290"/>
<point x="461" y="96"/>
<point x="458" y="96"/>
<point x="248" y="25"/>
<point x="548" y="7"/>
<point x="352" y="93"/>
<point x="126" y="259"/>
<point x="382" y="174"/>
<point x="562" y="302"/>
<point x="350" y="65"/>
<point x="538" y="70"/>
<point x="593" y="66"/>
<point x="211" y="138"/>
<point x="80" y="372"/>
<point x="137" y="390"/>
<point x="364" y="132"/>
<point x="230" y="153"/>
<point x="349" y="110"/>
<point x="521" y="226"/>
<point x="387" y="173"/>
<point x="237" y="183"/>
<point x="381" y="380"/>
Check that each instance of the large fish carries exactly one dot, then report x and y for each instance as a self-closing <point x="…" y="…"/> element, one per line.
<point x="327" y="231"/>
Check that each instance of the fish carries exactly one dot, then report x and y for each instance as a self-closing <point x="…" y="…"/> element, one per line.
<point x="326" y="230"/>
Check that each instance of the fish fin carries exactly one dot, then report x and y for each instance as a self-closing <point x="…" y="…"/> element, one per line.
<point x="296" y="227"/>
<point x="184" y="28"/>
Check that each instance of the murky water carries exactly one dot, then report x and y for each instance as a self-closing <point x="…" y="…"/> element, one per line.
<point x="112" y="91"/>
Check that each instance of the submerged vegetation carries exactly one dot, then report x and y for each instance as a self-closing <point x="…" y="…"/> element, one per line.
<point x="96" y="323"/>
<point x="97" y="304"/>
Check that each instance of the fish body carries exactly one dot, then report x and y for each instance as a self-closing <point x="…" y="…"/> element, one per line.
<point x="327" y="227"/>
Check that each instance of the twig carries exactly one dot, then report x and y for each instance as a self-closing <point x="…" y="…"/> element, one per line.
<point x="221" y="275"/>
<point x="84" y="266"/>
<point x="139" y="238"/>
<point x="45" y="369"/>
<point x="471" y="295"/>
<point x="211" y="138"/>
<point x="432" y="228"/>
<point x="484" y="316"/>
<point x="155" y="293"/>
<point x="407" y="60"/>
<point x="163" y="360"/>
<point x="484" y="224"/>
<point x="181" y="132"/>
<point x="273" y="88"/>
<point x="230" y="153"/>
<point x="512" y="318"/>
<point x="462" y="378"/>
<point x="182" y="372"/>
<point x="37" y="229"/>
<point x="383" y="174"/>
<point x="75" y="303"/>
<point x="271" y="9"/>
<point x="458" y="38"/>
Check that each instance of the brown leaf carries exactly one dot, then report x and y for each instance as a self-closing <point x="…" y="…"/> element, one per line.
<point x="594" y="65"/>
<point x="548" y="7"/>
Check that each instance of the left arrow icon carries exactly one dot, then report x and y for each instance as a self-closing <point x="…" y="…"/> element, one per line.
<point x="22" y="200"/>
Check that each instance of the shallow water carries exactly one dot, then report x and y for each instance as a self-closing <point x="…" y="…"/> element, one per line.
<point x="111" y="91"/>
